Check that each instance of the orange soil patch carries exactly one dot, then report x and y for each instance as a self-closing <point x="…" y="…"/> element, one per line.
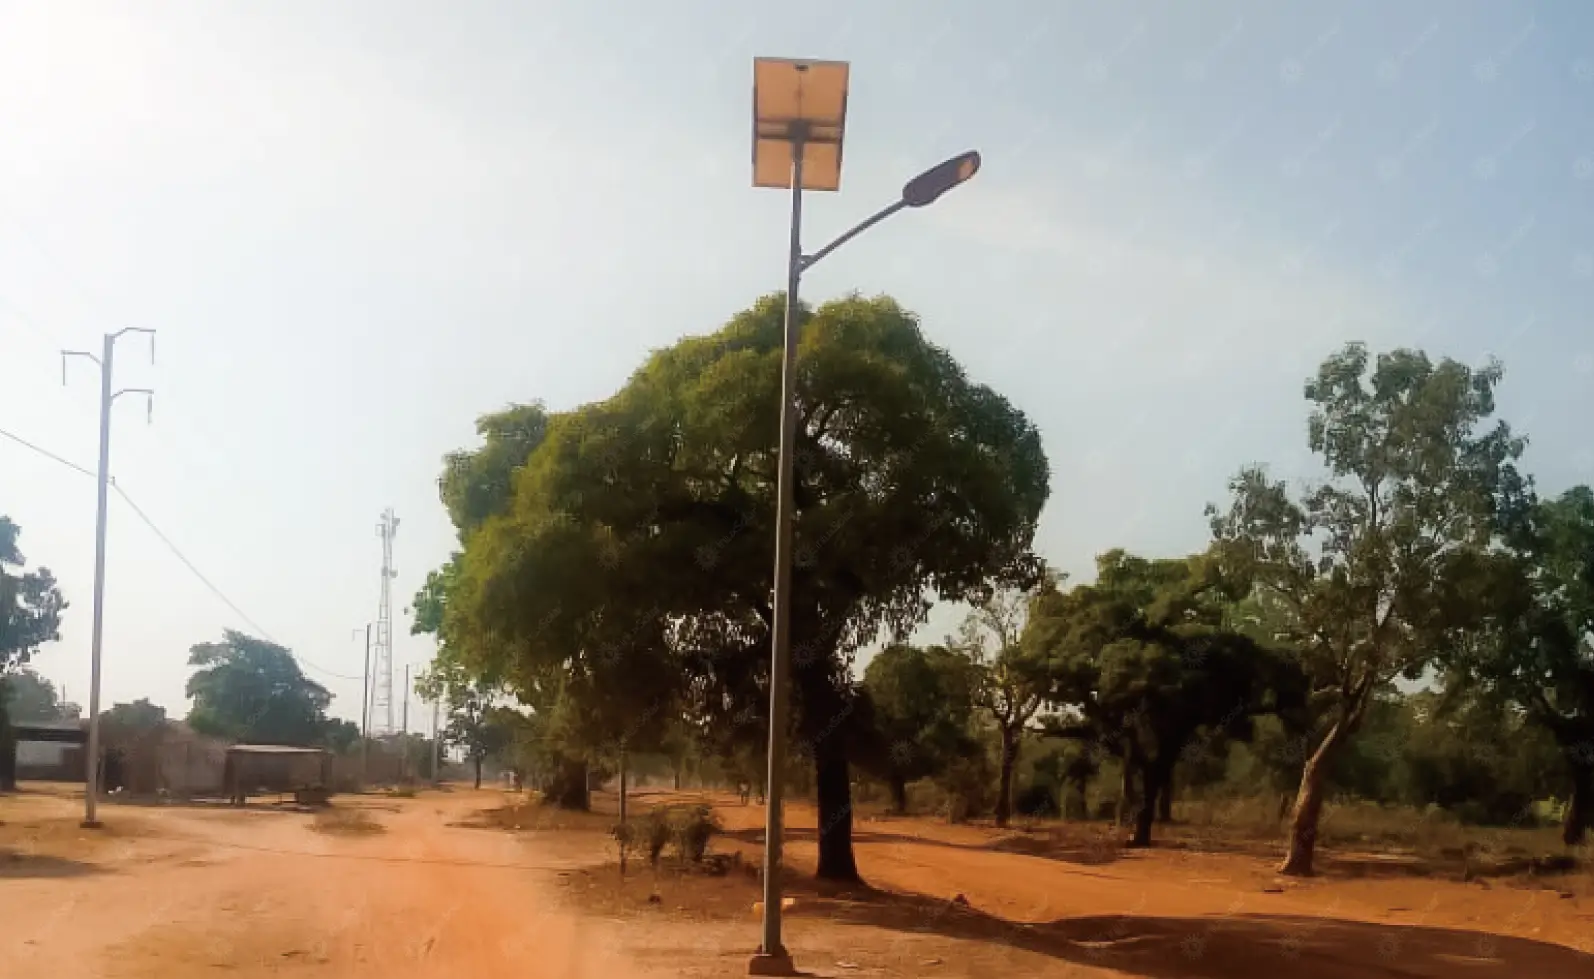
<point x="181" y="892"/>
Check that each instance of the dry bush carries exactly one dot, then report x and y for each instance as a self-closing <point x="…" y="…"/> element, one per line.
<point x="692" y="829"/>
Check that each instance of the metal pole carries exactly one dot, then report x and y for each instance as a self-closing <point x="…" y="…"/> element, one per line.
<point x="365" y="710"/>
<point x="404" y="737"/>
<point x="780" y="664"/>
<point x="92" y="776"/>
<point x="436" y="740"/>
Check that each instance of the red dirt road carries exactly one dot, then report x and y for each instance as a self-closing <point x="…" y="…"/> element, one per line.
<point x="179" y="893"/>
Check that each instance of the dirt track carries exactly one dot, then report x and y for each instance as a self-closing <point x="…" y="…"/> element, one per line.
<point x="187" y="892"/>
<point x="179" y="893"/>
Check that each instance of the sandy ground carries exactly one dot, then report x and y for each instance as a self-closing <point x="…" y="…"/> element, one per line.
<point x="955" y="901"/>
<point x="439" y="890"/>
<point x="183" y="892"/>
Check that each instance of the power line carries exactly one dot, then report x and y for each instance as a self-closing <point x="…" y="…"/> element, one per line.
<point x="139" y="512"/>
<point x="45" y="452"/>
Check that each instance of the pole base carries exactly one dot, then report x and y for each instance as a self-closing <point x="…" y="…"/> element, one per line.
<point x="90" y="824"/>
<point x="771" y="964"/>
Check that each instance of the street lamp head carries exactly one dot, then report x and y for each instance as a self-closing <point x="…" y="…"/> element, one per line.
<point x="797" y="102"/>
<point x="928" y="186"/>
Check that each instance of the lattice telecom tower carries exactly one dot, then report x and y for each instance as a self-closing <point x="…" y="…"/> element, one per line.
<point x="382" y="649"/>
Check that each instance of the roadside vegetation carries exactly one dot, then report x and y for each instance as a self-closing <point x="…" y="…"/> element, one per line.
<point x="1399" y="643"/>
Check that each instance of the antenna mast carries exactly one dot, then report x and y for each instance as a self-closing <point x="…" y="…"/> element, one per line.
<point x="382" y="648"/>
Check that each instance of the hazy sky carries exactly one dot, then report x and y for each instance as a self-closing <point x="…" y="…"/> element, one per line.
<point x="357" y="226"/>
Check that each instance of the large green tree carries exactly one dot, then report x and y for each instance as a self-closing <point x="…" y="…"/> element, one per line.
<point x="1145" y="661"/>
<point x="1380" y="565"/>
<point x="1538" y="647"/>
<point x="250" y="690"/>
<point x="922" y="703"/>
<point x="633" y="569"/>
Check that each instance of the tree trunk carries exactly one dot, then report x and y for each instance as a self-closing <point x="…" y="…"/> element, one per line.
<point x="1309" y="805"/>
<point x="1146" y="810"/>
<point x="835" y="811"/>
<point x="899" y="795"/>
<point x="1154" y="779"/>
<point x="1004" y="789"/>
<point x="8" y="749"/>
<point x="478" y="761"/>
<point x="1165" y="802"/>
<point x="1580" y="805"/>
<point x="1126" y="792"/>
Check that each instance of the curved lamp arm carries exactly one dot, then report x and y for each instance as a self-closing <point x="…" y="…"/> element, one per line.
<point x="922" y="190"/>
<point x="855" y="231"/>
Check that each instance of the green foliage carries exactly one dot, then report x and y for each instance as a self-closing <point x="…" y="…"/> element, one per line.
<point x="628" y="578"/>
<point x="340" y="735"/>
<point x="250" y="690"/>
<point x="133" y="721"/>
<point x="27" y="696"/>
<point x="1148" y="668"/>
<point x="968" y="784"/>
<point x="922" y="703"/>
<point x="30" y="604"/>
<point x="1010" y="681"/>
<point x="1381" y="567"/>
<point x="1537" y="649"/>
<point x="478" y="484"/>
<point x="475" y="720"/>
<point x="1037" y="800"/>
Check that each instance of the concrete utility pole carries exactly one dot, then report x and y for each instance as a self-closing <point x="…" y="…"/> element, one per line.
<point x="91" y="779"/>
<point x="437" y="740"/>
<point x="365" y="707"/>
<point x="404" y="736"/>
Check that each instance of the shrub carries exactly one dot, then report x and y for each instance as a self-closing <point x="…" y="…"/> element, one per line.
<point x="1037" y="800"/>
<point x="655" y="833"/>
<point x="969" y="784"/>
<point x="693" y="827"/>
<point x="624" y="837"/>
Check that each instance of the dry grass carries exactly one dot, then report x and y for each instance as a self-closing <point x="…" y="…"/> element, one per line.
<point x="346" y="822"/>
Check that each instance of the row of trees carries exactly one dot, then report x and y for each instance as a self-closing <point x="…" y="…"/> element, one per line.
<point x="613" y="575"/>
<point x="243" y="688"/>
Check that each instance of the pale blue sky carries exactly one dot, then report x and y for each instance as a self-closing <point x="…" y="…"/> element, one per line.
<point x="357" y="226"/>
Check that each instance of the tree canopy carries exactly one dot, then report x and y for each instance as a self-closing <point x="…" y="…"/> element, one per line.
<point x="1537" y="648"/>
<point x="1146" y="664"/>
<point x="632" y="570"/>
<point x="922" y="703"/>
<point x="31" y="697"/>
<point x="30" y="603"/>
<point x="1010" y="682"/>
<point x="1378" y="569"/>
<point x="251" y="690"/>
